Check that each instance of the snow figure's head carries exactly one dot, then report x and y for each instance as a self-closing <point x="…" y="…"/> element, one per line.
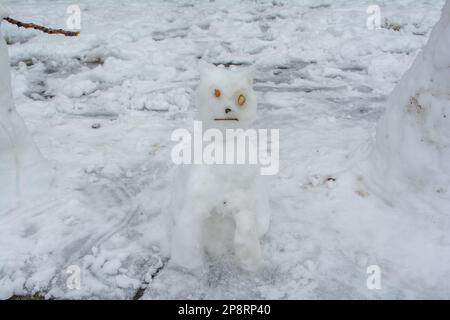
<point x="225" y="96"/>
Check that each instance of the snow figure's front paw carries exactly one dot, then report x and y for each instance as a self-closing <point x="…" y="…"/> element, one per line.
<point x="186" y="256"/>
<point x="246" y="242"/>
<point x="249" y="256"/>
<point x="188" y="259"/>
<point x="187" y="250"/>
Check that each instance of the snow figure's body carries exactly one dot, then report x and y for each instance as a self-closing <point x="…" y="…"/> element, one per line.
<point x="23" y="171"/>
<point x="220" y="209"/>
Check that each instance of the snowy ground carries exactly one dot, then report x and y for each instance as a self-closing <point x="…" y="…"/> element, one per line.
<point x="322" y="79"/>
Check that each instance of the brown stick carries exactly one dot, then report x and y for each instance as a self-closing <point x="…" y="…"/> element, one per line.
<point x="42" y="28"/>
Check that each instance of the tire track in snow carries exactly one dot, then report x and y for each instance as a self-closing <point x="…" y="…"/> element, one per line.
<point x="115" y="191"/>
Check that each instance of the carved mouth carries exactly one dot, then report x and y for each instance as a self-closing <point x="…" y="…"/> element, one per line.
<point x="226" y="119"/>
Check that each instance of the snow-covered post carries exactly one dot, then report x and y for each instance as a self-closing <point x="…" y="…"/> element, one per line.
<point x="412" y="149"/>
<point x="23" y="170"/>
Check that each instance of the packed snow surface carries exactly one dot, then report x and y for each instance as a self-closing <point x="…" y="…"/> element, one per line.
<point x="102" y="107"/>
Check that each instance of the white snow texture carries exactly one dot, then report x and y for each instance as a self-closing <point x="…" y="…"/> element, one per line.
<point x="353" y="191"/>
<point x="4" y="12"/>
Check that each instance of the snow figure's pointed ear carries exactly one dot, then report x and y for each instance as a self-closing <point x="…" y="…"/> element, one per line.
<point x="249" y="74"/>
<point x="204" y="68"/>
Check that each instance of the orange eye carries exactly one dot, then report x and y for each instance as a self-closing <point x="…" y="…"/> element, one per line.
<point x="241" y="100"/>
<point x="217" y="93"/>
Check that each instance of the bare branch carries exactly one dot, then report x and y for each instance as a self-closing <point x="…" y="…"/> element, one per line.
<point x="41" y="28"/>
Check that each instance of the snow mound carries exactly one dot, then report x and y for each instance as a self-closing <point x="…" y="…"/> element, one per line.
<point x="412" y="149"/>
<point x="23" y="170"/>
